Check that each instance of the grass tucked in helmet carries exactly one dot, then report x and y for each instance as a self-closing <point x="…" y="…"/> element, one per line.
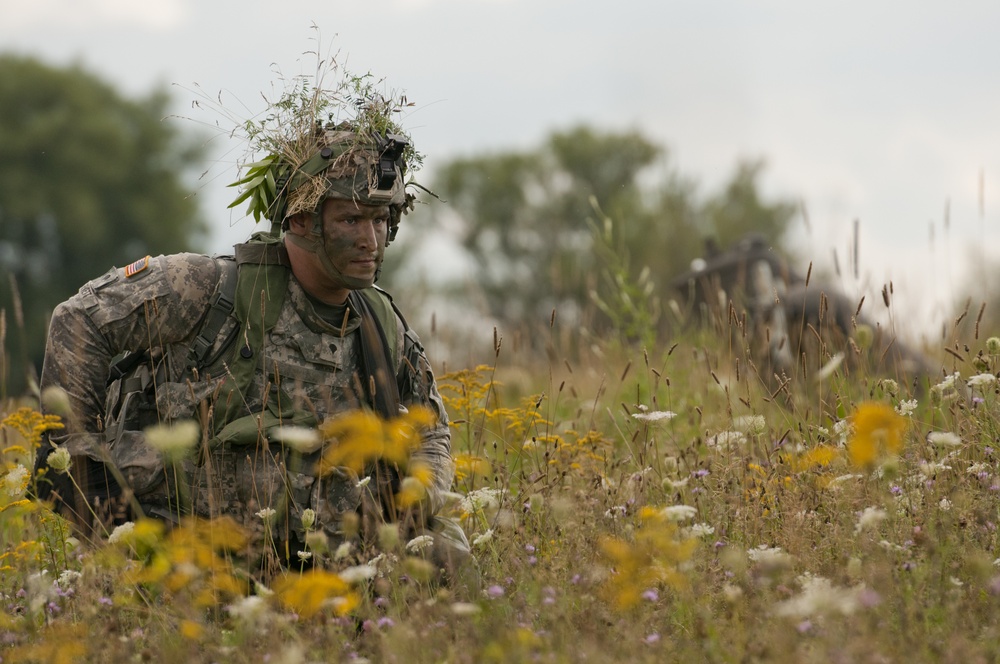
<point x="315" y="154"/>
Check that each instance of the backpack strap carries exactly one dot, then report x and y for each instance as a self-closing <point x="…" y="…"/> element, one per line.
<point x="220" y="308"/>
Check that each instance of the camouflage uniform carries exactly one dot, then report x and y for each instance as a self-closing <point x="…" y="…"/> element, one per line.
<point x="309" y="361"/>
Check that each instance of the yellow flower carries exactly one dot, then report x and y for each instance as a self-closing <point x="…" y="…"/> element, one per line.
<point x="878" y="433"/>
<point x="307" y="593"/>
<point x="362" y="437"/>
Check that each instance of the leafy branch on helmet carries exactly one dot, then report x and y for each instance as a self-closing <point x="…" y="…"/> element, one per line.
<point x="295" y="129"/>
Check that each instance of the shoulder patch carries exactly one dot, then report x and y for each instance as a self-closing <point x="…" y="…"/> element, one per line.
<point x="135" y="268"/>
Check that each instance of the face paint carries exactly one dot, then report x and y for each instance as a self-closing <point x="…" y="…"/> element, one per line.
<point x="351" y="246"/>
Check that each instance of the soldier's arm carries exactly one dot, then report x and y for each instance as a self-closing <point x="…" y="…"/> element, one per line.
<point x="159" y="304"/>
<point x="418" y="387"/>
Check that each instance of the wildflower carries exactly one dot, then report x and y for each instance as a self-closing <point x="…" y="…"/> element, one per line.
<point x="305" y="555"/>
<point x="943" y="439"/>
<point x="59" y="459"/>
<point x="308" y="593"/>
<point x="616" y="512"/>
<point x="16" y="480"/>
<point x="308" y="518"/>
<point x="173" y="441"/>
<point x="819" y="597"/>
<point x="358" y="573"/>
<point x="945" y="505"/>
<point x="669" y="483"/>
<point x="769" y="557"/>
<point x="993" y="345"/>
<point x="679" y="512"/>
<point x="652" y="638"/>
<point x="251" y="611"/>
<point x="751" y="425"/>
<point x="363" y="482"/>
<point x="419" y="543"/>
<point x="121" y="532"/>
<point x="495" y="591"/>
<point x="651" y="595"/>
<point x="301" y="439"/>
<point x="878" y="432"/>
<point x="702" y="530"/>
<point x="484" y="538"/>
<point x="342" y="551"/>
<point x="870" y="518"/>
<point x="480" y="500"/>
<point x="829" y="368"/>
<point x="946" y="388"/>
<point x="906" y="407"/>
<point x="655" y="416"/>
<point x="982" y="381"/>
<point x="843" y="430"/>
<point x="266" y="515"/>
<point x="68" y="578"/>
<point x="465" y="609"/>
<point x="889" y="386"/>
<point x="727" y="439"/>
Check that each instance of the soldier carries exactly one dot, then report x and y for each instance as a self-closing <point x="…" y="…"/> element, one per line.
<point x="289" y="332"/>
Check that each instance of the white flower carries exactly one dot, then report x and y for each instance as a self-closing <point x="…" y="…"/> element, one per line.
<point x="465" y="609"/>
<point x="751" y="425"/>
<point x="655" y="416"/>
<point x="976" y="468"/>
<point x="308" y="518"/>
<point x="121" y="532"/>
<point x="342" y="551"/>
<point x="819" y="597"/>
<point x="955" y="581"/>
<point x="68" y="578"/>
<point x="726" y="439"/>
<point x="616" y="511"/>
<point x="419" y="543"/>
<point x="16" y="480"/>
<point x="484" y="538"/>
<point x="252" y="611"/>
<point x="363" y="482"/>
<point x="945" y="505"/>
<point x="480" y="499"/>
<point x="359" y="573"/>
<point x="266" y="514"/>
<point x="301" y="439"/>
<point x="982" y="380"/>
<point x="906" y="407"/>
<point x="870" y="518"/>
<point x="948" y="383"/>
<point x="890" y="386"/>
<point x="305" y="555"/>
<point x="675" y="484"/>
<point x="769" y="556"/>
<point x="678" y="512"/>
<point x="700" y="530"/>
<point x="830" y="367"/>
<point x="943" y="439"/>
<point x="173" y="441"/>
<point x="59" y="460"/>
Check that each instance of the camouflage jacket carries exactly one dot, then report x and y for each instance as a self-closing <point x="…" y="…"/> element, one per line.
<point x="160" y="307"/>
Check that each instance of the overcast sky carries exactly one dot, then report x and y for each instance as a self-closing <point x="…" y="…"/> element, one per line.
<point x="883" y="112"/>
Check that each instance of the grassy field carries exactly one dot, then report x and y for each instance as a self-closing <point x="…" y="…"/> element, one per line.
<point x="629" y="504"/>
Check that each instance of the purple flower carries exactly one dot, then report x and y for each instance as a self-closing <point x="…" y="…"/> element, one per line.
<point x="385" y="621"/>
<point x="368" y="625"/>
<point x="105" y="601"/>
<point x="381" y="601"/>
<point x="532" y="560"/>
<point x="652" y="638"/>
<point x="701" y="472"/>
<point x="804" y="626"/>
<point x="530" y="548"/>
<point x="575" y="580"/>
<point x="494" y="591"/>
<point x="651" y="595"/>
<point x="895" y="489"/>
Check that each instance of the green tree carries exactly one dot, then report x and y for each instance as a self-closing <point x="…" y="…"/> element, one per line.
<point x="569" y="223"/>
<point x="88" y="179"/>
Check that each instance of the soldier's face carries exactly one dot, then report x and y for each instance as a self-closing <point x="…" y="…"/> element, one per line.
<point x="348" y="254"/>
<point x="354" y="239"/>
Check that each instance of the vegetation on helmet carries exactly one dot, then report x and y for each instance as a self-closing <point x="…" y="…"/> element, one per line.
<point x="317" y="139"/>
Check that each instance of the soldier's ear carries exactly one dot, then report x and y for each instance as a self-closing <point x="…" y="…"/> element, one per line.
<point x="299" y="223"/>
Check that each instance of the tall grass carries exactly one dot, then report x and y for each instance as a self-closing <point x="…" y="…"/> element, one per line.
<point x="628" y="504"/>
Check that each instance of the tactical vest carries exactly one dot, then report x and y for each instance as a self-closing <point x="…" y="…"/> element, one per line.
<point x="224" y="363"/>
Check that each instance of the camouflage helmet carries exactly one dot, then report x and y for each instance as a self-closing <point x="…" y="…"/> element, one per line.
<point x="340" y="162"/>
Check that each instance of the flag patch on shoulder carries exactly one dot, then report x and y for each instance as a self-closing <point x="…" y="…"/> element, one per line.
<point x="136" y="267"/>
